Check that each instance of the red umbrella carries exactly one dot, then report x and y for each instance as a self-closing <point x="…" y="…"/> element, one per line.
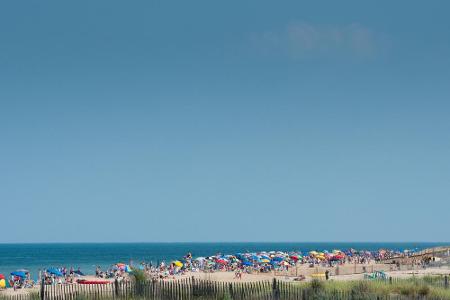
<point x="2" y="276"/>
<point x="222" y="261"/>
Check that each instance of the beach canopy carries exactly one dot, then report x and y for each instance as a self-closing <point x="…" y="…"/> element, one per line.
<point x="55" y="272"/>
<point x="19" y="274"/>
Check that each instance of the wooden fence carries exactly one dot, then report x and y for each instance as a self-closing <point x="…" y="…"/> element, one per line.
<point x="195" y="289"/>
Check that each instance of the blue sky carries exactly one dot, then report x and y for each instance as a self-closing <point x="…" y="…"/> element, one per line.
<point x="224" y="121"/>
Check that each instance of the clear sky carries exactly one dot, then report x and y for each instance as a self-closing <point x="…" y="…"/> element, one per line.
<point x="224" y="121"/>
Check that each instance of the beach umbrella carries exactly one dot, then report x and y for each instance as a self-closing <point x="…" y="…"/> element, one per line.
<point x="127" y="269"/>
<point x="265" y="260"/>
<point x="2" y="276"/>
<point x="178" y="263"/>
<point x="247" y="263"/>
<point x="221" y="261"/>
<point x="278" y="258"/>
<point x="55" y="272"/>
<point x="19" y="274"/>
<point x="2" y="282"/>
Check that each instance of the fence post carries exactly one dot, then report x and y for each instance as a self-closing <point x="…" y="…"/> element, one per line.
<point x="390" y="280"/>
<point x="42" y="292"/>
<point x="446" y="281"/>
<point x="275" y="290"/>
<point x="116" y="287"/>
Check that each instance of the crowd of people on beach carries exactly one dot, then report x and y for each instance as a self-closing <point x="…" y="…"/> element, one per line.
<point x="264" y="262"/>
<point x="239" y="263"/>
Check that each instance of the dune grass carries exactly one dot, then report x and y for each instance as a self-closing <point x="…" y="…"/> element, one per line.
<point x="430" y="288"/>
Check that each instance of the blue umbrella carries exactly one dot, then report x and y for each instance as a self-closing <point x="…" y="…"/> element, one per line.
<point x="277" y="258"/>
<point x="19" y="274"/>
<point x="247" y="263"/>
<point x="55" y="272"/>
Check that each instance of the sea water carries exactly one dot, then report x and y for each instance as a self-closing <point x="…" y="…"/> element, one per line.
<point x="35" y="257"/>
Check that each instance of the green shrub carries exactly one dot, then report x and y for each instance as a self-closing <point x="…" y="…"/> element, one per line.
<point x="317" y="286"/>
<point x="423" y="290"/>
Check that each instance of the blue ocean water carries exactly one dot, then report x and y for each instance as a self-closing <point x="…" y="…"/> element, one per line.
<point x="86" y="256"/>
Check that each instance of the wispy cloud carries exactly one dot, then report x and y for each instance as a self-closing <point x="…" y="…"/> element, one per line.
<point x="301" y="39"/>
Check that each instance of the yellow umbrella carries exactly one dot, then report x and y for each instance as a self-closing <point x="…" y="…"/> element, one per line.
<point x="178" y="263"/>
<point x="2" y="283"/>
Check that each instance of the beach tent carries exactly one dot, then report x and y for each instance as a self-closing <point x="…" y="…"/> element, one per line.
<point x="19" y="274"/>
<point x="55" y="272"/>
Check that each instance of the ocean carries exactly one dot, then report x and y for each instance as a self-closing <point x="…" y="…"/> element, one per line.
<point x="88" y="255"/>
